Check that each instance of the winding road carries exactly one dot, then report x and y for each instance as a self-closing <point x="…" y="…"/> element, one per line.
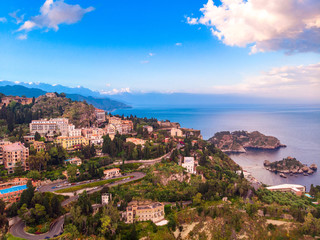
<point x="56" y="227"/>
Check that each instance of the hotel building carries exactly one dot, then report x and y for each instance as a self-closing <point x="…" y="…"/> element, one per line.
<point x="144" y="211"/>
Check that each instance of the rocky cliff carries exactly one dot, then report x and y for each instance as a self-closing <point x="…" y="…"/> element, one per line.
<point x="290" y="165"/>
<point x="240" y="141"/>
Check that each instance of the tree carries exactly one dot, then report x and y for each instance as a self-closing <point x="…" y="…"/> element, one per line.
<point x="18" y="169"/>
<point x="84" y="203"/>
<point x="56" y="205"/>
<point x="105" y="224"/>
<point x="37" y="136"/>
<point x="20" y="137"/>
<point x="34" y="175"/>
<point x="3" y="218"/>
<point x="72" y="171"/>
<point x="197" y="199"/>
<point x="72" y="230"/>
<point x="10" y="121"/>
<point x="27" y="195"/>
<point x="39" y="161"/>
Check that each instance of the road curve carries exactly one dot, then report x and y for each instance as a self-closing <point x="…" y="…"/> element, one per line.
<point x="56" y="227"/>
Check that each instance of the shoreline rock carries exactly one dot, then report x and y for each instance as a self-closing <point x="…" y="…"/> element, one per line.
<point x="241" y="141"/>
<point x="289" y="166"/>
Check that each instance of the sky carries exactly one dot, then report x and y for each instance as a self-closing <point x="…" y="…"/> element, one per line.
<point x="252" y="47"/>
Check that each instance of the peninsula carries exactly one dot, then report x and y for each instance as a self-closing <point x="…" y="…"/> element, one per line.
<point x="240" y="141"/>
<point x="290" y="166"/>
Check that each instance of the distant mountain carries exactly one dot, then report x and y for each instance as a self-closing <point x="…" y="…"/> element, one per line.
<point x="102" y="103"/>
<point x="190" y="99"/>
<point x="55" y="88"/>
<point x="17" y="90"/>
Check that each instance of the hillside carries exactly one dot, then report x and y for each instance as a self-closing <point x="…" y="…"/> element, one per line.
<point x="239" y="141"/>
<point x="106" y="104"/>
<point x="81" y="114"/>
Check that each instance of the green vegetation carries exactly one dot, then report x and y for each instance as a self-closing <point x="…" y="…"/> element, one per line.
<point x="89" y="185"/>
<point x="37" y="209"/>
<point x="286" y="164"/>
<point x="9" y="236"/>
<point x="239" y="140"/>
<point x="118" y="147"/>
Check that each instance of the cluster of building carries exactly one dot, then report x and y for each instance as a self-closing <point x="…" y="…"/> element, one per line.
<point x="5" y="101"/>
<point x="70" y="137"/>
<point x="185" y="132"/>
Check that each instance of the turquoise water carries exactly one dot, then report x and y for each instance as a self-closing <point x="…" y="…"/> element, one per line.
<point x="13" y="189"/>
<point x="297" y="126"/>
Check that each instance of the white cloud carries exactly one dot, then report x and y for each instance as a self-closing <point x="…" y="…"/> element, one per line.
<point x="289" y="81"/>
<point x="18" y="19"/>
<point x="53" y="13"/>
<point x="151" y="54"/>
<point x="108" y="84"/>
<point x="3" y="20"/>
<point x="22" y="37"/>
<point x="116" y="91"/>
<point x="290" y="25"/>
<point x="178" y="44"/>
<point x="144" y="62"/>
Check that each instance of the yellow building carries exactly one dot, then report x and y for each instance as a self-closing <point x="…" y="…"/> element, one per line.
<point x="72" y="142"/>
<point x="144" y="211"/>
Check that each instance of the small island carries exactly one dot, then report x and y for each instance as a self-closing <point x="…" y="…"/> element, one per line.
<point x="240" y="141"/>
<point x="290" y="166"/>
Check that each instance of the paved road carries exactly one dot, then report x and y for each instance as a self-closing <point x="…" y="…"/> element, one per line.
<point x="53" y="186"/>
<point x="56" y="228"/>
<point x="147" y="162"/>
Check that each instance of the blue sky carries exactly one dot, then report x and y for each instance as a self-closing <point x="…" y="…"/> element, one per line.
<point x="166" y="46"/>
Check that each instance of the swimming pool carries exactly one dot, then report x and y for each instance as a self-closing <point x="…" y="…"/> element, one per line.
<point x="13" y="189"/>
<point x="308" y="195"/>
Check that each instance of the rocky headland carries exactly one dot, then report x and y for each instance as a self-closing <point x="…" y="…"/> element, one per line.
<point x="290" y="166"/>
<point x="240" y="141"/>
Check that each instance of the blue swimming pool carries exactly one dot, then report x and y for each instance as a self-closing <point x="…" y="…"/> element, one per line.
<point x="13" y="189"/>
<point x="308" y="195"/>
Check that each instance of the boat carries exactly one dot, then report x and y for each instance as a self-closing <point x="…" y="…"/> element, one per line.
<point x="283" y="175"/>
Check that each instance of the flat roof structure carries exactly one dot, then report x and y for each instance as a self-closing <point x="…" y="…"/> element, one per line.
<point x="285" y="186"/>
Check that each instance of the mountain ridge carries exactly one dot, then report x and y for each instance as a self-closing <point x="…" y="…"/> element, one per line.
<point x="106" y="104"/>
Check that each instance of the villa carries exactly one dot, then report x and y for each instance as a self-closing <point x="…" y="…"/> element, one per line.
<point x="109" y="173"/>
<point x="189" y="165"/>
<point x="144" y="211"/>
<point x="77" y="161"/>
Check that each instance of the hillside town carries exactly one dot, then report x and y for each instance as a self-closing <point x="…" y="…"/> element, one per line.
<point x="127" y="169"/>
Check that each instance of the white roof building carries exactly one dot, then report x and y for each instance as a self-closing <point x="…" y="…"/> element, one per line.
<point x="294" y="188"/>
<point x="189" y="165"/>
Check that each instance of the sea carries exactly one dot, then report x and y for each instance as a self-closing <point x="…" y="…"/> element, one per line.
<point x="297" y="126"/>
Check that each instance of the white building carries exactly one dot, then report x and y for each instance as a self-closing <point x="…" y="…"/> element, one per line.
<point x="114" y="172"/>
<point x="189" y="165"/>
<point x="53" y="126"/>
<point x="294" y="188"/>
<point x="73" y="131"/>
<point x="105" y="198"/>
